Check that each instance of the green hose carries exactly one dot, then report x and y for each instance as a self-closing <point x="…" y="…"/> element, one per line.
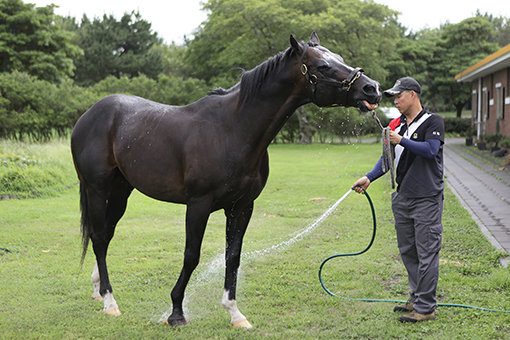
<point x="368" y="247"/>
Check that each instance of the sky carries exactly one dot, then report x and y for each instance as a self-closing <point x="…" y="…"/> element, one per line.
<point x="174" y="19"/>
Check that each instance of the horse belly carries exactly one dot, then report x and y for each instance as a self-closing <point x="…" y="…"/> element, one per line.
<point x="151" y="171"/>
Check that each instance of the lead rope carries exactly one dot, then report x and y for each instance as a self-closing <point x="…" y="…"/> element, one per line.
<point x="388" y="152"/>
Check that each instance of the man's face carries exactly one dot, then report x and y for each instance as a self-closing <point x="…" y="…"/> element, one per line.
<point x="403" y="101"/>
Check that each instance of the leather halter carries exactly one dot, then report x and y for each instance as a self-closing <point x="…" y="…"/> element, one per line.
<point x="344" y="85"/>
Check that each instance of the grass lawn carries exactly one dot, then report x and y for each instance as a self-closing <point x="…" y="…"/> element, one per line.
<point x="46" y="294"/>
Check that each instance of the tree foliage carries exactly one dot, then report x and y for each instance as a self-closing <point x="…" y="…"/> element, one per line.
<point x="413" y="57"/>
<point x="501" y="33"/>
<point x="435" y="56"/>
<point x="53" y="68"/>
<point x="169" y="90"/>
<point x="458" y="47"/>
<point x="34" y="109"/>
<point x="32" y="42"/>
<point x="241" y="34"/>
<point x="118" y="48"/>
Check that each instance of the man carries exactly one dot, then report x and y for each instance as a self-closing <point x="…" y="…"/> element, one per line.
<point x="417" y="204"/>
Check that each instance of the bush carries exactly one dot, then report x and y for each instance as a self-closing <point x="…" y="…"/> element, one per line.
<point x="33" y="109"/>
<point x="505" y="143"/>
<point x="461" y="126"/>
<point x="168" y="90"/>
<point x="496" y="138"/>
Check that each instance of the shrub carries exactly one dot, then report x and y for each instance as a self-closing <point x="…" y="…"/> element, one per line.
<point x="167" y="89"/>
<point x="496" y="138"/>
<point x="505" y="143"/>
<point x="458" y="125"/>
<point x="33" y="109"/>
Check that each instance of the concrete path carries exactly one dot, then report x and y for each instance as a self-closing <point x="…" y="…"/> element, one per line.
<point x="483" y="188"/>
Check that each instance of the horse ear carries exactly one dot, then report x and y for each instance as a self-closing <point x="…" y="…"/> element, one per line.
<point x="296" y="46"/>
<point x="315" y="38"/>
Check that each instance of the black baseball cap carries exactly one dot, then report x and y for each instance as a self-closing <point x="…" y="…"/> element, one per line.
<point x="406" y="83"/>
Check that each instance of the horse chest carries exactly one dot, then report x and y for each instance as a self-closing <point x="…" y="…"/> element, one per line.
<point x="245" y="183"/>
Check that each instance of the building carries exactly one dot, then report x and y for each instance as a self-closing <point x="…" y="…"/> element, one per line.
<point x="490" y="83"/>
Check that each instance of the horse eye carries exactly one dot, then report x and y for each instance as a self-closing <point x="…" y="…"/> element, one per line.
<point x="323" y="67"/>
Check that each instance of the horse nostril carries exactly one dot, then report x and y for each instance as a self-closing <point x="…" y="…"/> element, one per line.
<point x="370" y="90"/>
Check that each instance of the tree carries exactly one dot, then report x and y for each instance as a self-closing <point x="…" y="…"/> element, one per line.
<point x="31" y="108"/>
<point x="502" y="28"/>
<point x="460" y="46"/>
<point x="173" y="60"/>
<point x="414" y="55"/>
<point x="117" y="48"/>
<point x="32" y="42"/>
<point x="167" y="89"/>
<point x="240" y="34"/>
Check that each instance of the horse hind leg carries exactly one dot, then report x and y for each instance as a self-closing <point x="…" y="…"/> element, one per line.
<point x="96" y="282"/>
<point x="110" y="305"/>
<point x="103" y="230"/>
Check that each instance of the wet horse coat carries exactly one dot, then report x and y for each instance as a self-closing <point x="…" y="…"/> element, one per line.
<point x="209" y="155"/>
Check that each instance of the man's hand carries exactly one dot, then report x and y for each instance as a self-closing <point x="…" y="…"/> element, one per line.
<point x="363" y="182"/>
<point x="395" y="138"/>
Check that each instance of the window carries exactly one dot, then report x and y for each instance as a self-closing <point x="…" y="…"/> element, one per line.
<point x="503" y="100"/>
<point x="500" y="101"/>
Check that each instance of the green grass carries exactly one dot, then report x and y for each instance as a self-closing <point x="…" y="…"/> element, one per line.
<point x="34" y="170"/>
<point x="453" y="114"/>
<point x="485" y="156"/>
<point x="46" y="294"/>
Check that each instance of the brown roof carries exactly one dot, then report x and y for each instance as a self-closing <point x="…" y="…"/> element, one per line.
<point x="494" y="62"/>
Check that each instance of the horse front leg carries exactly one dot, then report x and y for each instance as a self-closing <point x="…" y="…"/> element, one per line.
<point x="237" y="222"/>
<point x="197" y="214"/>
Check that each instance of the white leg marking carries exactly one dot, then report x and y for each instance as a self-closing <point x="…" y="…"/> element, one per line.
<point x="237" y="319"/>
<point x="110" y="305"/>
<point x="96" y="282"/>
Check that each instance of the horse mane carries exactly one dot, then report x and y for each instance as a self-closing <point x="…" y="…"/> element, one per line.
<point x="219" y="91"/>
<point x="252" y="80"/>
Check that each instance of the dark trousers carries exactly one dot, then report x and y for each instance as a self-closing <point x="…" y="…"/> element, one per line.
<point x="419" y="227"/>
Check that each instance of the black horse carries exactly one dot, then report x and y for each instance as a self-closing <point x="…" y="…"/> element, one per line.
<point x="209" y="155"/>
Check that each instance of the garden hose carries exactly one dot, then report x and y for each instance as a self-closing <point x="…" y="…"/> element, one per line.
<point x="374" y="228"/>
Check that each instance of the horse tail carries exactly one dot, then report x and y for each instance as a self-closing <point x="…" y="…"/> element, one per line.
<point x="85" y="223"/>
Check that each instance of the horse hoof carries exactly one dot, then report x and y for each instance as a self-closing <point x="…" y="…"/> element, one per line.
<point x="112" y="311"/>
<point x="176" y="322"/>
<point x="243" y="324"/>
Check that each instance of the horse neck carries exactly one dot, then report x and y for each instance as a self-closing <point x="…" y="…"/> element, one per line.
<point x="263" y="117"/>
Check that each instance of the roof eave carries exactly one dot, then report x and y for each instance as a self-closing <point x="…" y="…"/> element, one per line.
<point x="494" y="62"/>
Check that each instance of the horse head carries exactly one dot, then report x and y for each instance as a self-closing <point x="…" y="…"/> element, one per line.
<point x="330" y="81"/>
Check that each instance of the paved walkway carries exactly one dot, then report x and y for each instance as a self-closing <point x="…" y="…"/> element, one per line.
<point x="483" y="188"/>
